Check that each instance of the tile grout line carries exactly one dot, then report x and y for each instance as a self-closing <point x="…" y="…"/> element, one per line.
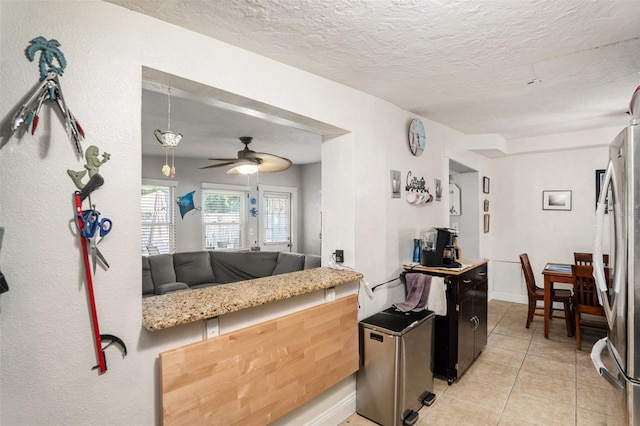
<point x="513" y="384"/>
<point x="518" y="373"/>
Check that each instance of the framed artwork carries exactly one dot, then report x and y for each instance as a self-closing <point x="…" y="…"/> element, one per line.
<point x="599" y="182"/>
<point x="486" y="205"/>
<point x="485" y="185"/>
<point x="454" y="200"/>
<point x="438" y="185"/>
<point x="556" y="200"/>
<point x="486" y="223"/>
<point x="395" y="183"/>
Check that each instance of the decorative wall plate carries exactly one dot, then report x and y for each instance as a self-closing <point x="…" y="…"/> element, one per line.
<point x="417" y="137"/>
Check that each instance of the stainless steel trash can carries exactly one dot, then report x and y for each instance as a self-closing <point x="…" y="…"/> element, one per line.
<point x="395" y="378"/>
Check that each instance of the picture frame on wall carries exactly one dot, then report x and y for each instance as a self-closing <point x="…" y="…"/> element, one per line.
<point x="600" y="173"/>
<point x="485" y="185"/>
<point x="556" y="200"/>
<point x="454" y="200"/>
<point x="486" y="205"/>
<point x="395" y="183"/>
<point x="438" y="185"/>
<point x="486" y="223"/>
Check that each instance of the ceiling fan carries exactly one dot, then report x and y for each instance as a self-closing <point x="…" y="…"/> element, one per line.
<point x="249" y="162"/>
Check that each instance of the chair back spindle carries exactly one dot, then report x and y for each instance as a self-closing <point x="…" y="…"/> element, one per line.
<point x="585" y="298"/>
<point x="587" y="259"/>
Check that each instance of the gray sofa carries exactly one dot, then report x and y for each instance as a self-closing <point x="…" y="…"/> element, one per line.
<point x="166" y="273"/>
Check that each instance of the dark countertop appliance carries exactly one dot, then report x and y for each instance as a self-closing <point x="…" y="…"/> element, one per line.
<point x="438" y="248"/>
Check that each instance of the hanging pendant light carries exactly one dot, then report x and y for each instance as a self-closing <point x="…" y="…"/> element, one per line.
<point x="169" y="141"/>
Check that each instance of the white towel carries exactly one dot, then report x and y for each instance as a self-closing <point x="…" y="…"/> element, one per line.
<point x="438" y="296"/>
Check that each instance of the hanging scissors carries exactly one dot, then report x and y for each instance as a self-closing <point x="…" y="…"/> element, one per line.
<point x="92" y="223"/>
<point x="92" y="227"/>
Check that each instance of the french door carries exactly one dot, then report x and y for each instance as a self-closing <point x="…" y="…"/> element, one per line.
<point x="277" y="218"/>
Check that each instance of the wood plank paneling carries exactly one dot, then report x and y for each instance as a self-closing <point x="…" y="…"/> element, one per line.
<point x="255" y="375"/>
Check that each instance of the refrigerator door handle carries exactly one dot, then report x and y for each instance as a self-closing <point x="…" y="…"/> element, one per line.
<point x="610" y="309"/>
<point x="596" y="358"/>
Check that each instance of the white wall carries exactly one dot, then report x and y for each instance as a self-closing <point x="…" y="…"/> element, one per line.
<point x="311" y="197"/>
<point x="518" y="223"/>
<point x="46" y="343"/>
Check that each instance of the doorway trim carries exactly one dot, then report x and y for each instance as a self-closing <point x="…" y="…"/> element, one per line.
<point x="293" y="214"/>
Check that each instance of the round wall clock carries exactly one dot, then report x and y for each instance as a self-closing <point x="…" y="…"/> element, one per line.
<point x="417" y="137"/>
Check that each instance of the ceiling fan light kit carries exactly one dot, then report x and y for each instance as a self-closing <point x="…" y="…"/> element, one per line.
<point x="249" y="162"/>
<point x="244" y="169"/>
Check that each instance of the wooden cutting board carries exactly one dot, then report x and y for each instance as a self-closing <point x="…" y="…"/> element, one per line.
<point x="257" y="374"/>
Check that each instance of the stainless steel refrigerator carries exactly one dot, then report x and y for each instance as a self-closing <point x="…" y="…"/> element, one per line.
<point x="620" y="198"/>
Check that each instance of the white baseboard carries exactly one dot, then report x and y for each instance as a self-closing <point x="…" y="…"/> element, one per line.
<point x="509" y="297"/>
<point x="336" y="414"/>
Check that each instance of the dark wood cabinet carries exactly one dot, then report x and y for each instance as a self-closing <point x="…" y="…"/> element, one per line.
<point x="472" y="318"/>
<point x="461" y="335"/>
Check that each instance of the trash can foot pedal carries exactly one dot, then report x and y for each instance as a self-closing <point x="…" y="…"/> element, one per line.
<point x="427" y="398"/>
<point x="410" y="418"/>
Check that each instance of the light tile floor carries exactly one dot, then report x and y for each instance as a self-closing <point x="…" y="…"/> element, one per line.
<point x="520" y="378"/>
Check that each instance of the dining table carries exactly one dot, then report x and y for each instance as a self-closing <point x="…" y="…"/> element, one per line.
<point x="553" y="273"/>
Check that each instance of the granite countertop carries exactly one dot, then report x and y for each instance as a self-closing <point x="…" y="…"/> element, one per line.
<point x="467" y="265"/>
<point x="169" y="310"/>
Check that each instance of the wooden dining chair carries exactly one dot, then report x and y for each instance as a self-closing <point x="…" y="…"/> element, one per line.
<point x="536" y="294"/>
<point x="585" y="299"/>
<point x="587" y="259"/>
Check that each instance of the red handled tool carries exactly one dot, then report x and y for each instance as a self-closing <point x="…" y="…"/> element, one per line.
<point x="95" y="182"/>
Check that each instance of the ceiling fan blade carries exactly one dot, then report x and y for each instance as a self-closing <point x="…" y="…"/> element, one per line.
<point x="267" y="163"/>
<point x="255" y="161"/>
<point x="271" y="163"/>
<point x="218" y="165"/>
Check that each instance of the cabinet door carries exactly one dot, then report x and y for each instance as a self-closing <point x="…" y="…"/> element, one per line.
<point x="480" y="313"/>
<point x="466" y="332"/>
<point x="445" y="354"/>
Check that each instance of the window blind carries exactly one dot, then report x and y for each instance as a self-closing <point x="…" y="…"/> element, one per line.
<point x="158" y="219"/>
<point x="224" y="219"/>
<point x="276" y="217"/>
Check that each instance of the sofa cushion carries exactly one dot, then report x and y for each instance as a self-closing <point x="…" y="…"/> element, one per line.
<point x="162" y="271"/>
<point x="312" y="261"/>
<point x="169" y="287"/>
<point x="147" y="282"/>
<point x="288" y="262"/>
<point x="203" y="285"/>
<point x="229" y="267"/>
<point x="193" y="268"/>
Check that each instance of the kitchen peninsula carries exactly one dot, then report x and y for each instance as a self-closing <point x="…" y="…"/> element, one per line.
<point x="169" y="310"/>
<point x="263" y="371"/>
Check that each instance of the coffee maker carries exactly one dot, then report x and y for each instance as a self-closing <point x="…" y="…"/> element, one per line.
<point x="438" y="248"/>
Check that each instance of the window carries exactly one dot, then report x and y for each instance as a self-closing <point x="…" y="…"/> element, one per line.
<point x="158" y="217"/>
<point x="277" y="218"/>
<point x="224" y="217"/>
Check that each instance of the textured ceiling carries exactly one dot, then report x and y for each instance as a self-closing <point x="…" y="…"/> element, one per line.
<point x="513" y="68"/>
